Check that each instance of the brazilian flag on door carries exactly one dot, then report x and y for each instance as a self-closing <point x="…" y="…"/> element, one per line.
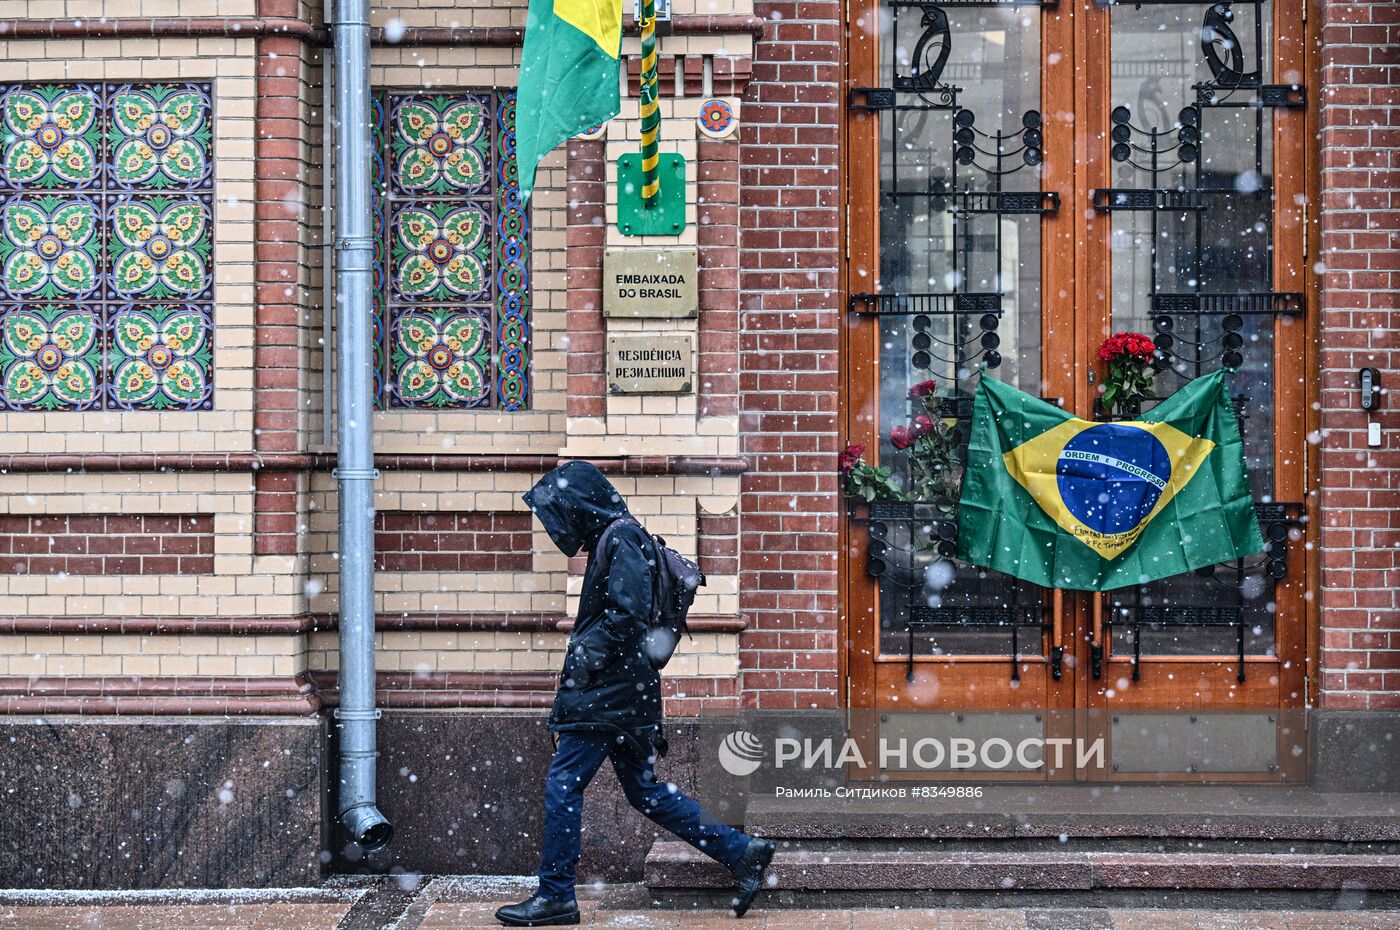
<point x="1069" y="503"/>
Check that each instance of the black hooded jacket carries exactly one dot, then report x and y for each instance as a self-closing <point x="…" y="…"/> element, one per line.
<point x="607" y="682"/>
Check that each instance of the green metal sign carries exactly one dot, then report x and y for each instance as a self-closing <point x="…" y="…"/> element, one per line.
<point x="667" y="216"/>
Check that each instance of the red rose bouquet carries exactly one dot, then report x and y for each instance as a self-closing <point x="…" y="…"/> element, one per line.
<point x="933" y="452"/>
<point x="1130" y="372"/>
<point x="863" y="479"/>
<point x="932" y="447"/>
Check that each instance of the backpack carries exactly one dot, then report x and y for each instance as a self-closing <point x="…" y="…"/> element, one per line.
<point x="675" y="581"/>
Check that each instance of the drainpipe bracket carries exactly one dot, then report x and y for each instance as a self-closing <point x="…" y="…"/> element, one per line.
<point x="360" y="248"/>
<point x="342" y="714"/>
<point x="355" y="474"/>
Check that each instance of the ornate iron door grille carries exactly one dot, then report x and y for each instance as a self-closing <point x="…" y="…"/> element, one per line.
<point x="1179" y="175"/>
<point x="962" y="182"/>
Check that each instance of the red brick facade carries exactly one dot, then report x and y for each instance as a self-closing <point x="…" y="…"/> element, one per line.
<point x="279" y="255"/>
<point x="414" y="541"/>
<point x="718" y="543"/>
<point x="769" y="235"/>
<point x="1360" y="264"/>
<point x="474" y="602"/>
<point x="790" y="340"/>
<point x="114" y="544"/>
<point x="717" y="192"/>
<point x="587" y="231"/>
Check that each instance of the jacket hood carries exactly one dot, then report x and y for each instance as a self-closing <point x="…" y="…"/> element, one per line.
<point x="575" y="502"/>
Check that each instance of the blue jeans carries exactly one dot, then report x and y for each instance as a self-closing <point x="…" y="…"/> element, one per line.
<point x="576" y="760"/>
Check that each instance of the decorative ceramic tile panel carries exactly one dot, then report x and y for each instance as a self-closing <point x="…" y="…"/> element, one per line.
<point x="441" y="145"/>
<point x="51" y="357"/>
<point x="51" y="247"/>
<point x="379" y="203"/>
<point x="512" y="268"/>
<point x="160" y="137"/>
<point x="441" y="252"/>
<point x="106" y="246"/>
<point x="159" y="248"/>
<point x="443" y="355"/>
<point x="52" y="136"/>
<point x="161" y="355"/>
<point x="452" y="256"/>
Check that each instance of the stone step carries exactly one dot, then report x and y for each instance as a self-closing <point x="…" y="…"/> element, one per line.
<point x="985" y="825"/>
<point x="1075" y="811"/>
<point x="676" y="867"/>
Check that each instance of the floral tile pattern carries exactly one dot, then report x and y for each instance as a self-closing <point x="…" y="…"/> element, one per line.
<point x="106" y="246"/>
<point x="50" y="356"/>
<point x="160" y="248"/>
<point x="52" y="136"/>
<point x="160" y="137"/>
<point x="442" y="353"/>
<point x="49" y="249"/>
<point x="440" y="252"/>
<point x="160" y="357"/>
<point x="452" y="256"/>
<point x="441" y="145"/>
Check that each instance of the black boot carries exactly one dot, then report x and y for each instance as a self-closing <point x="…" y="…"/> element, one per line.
<point x="749" y="870"/>
<point x="539" y="911"/>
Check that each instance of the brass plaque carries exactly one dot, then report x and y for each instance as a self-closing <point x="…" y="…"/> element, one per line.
<point x="650" y="282"/>
<point x="651" y="364"/>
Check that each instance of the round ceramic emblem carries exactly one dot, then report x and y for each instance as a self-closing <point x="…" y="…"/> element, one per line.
<point x="716" y="118"/>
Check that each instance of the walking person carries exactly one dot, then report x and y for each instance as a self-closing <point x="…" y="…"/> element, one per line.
<point x="608" y="704"/>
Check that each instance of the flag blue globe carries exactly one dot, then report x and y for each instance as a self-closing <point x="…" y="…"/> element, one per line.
<point x="1110" y="476"/>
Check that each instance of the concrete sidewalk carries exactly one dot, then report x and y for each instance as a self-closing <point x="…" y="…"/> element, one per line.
<point x="467" y="903"/>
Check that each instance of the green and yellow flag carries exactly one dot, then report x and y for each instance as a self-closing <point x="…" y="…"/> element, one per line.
<point x="568" y="76"/>
<point x="1068" y="503"/>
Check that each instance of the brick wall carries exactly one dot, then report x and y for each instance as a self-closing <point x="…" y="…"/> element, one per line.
<point x="466" y="583"/>
<point x="789" y="253"/>
<point x="586" y="234"/>
<point x="718" y="543"/>
<point x="489" y="541"/>
<point x="111" y="544"/>
<point x="283" y="250"/>
<point x="717" y="196"/>
<point x="1360" y="319"/>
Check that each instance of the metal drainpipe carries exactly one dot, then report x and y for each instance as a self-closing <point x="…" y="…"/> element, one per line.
<point x="354" y="253"/>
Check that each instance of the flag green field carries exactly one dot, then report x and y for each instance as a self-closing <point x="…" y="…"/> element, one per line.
<point x="568" y="76"/>
<point x="1070" y="503"/>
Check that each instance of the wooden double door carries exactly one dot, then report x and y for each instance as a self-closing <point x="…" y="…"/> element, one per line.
<point x="1022" y="180"/>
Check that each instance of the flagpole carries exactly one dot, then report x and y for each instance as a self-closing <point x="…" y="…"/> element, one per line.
<point x="651" y="112"/>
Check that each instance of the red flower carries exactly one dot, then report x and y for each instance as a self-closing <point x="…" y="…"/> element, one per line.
<point x="923" y="389"/>
<point x="921" y="426"/>
<point x="1121" y="344"/>
<point x="900" y="438"/>
<point x="850" y="456"/>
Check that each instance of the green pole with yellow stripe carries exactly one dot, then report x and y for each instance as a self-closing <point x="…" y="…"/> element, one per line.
<point x="651" y="110"/>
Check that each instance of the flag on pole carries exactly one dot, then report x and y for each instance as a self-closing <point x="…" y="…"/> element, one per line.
<point x="1069" y="503"/>
<point x="568" y="76"/>
<point x="651" y="110"/>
